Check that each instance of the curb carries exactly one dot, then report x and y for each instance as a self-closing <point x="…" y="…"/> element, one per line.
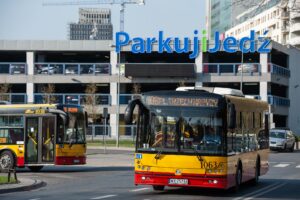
<point x="37" y="184"/>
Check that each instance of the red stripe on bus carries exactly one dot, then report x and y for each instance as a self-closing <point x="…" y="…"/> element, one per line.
<point x="70" y="160"/>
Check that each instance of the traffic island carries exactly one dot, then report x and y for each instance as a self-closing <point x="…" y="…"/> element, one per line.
<point x="23" y="184"/>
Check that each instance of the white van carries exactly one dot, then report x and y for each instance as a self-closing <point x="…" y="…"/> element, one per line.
<point x="282" y="140"/>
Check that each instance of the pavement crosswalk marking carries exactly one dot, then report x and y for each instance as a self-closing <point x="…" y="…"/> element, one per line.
<point x="104" y="197"/>
<point x="298" y="166"/>
<point x="281" y="165"/>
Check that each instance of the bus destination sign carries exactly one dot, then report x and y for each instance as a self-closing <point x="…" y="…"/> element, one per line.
<point x="181" y="101"/>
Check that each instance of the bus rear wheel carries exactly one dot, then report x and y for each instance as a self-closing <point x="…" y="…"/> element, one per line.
<point x="158" y="187"/>
<point x="35" y="168"/>
<point x="7" y="160"/>
<point x="257" y="173"/>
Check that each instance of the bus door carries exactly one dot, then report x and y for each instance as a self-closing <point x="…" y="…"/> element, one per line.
<point x="40" y="140"/>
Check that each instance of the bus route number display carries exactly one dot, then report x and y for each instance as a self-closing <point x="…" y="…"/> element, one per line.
<point x="181" y="101"/>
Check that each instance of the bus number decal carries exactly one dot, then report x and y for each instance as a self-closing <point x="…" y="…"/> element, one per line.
<point x="211" y="165"/>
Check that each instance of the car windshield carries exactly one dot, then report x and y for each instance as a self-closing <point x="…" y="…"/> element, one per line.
<point x="280" y="135"/>
<point x="183" y="130"/>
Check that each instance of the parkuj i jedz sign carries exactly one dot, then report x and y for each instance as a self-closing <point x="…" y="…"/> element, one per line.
<point x="187" y="45"/>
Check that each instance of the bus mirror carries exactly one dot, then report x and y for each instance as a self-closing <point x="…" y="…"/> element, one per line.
<point x="128" y="116"/>
<point x="232" y="117"/>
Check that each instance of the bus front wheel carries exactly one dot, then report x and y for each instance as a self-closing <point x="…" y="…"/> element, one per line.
<point x="158" y="187"/>
<point x="35" y="168"/>
<point x="7" y="160"/>
<point x="238" y="178"/>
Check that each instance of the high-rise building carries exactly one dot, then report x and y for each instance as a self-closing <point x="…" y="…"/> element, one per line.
<point x="281" y="18"/>
<point x="93" y="24"/>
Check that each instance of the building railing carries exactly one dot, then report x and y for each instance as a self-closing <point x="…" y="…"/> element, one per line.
<point x="232" y="68"/>
<point x="278" y="70"/>
<point x="72" y="68"/>
<point x="79" y="99"/>
<point x="14" y="98"/>
<point x="278" y="101"/>
<point x="126" y="98"/>
<point x="13" y="68"/>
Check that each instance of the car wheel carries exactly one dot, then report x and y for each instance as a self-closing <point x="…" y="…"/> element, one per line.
<point x="158" y="187"/>
<point x="7" y="160"/>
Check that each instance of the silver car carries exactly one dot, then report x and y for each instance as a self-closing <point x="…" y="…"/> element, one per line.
<point x="282" y="140"/>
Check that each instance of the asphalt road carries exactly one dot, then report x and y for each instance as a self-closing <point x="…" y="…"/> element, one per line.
<point x="101" y="179"/>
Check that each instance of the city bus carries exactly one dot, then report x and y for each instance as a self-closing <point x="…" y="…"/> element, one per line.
<point x="199" y="137"/>
<point x="35" y="135"/>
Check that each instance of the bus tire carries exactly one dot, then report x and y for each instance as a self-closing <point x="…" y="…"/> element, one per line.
<point x="158" y="187"/>
<point x="7" y="160"/>
<point x="35" y="168"/>
<point x="255" y="180"/>
<point x="238" y="178"/>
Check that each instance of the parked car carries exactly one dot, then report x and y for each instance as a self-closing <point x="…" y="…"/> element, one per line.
<point x="71" y="70"/>
<point x="99" y="69"/>
<point x="281" y="139"/>
<point x="48" y="70"/>
<point x="247" y="68"/>
<point x="17" y="69"/>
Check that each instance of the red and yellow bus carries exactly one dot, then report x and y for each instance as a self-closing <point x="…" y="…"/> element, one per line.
<point x="36" y="135"/>
<point x="199" y="137"/>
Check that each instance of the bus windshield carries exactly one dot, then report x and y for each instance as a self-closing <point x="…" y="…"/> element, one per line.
<point x="74" y="132"/>
<point x="185" y="130"/>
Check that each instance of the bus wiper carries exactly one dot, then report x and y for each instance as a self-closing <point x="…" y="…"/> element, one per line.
<point x="198" y="155"/>
<point x="157" y="156"/>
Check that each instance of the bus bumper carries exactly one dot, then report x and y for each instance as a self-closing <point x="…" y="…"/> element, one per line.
<point x="70" y="160"/>
<point x="218" y="182"/>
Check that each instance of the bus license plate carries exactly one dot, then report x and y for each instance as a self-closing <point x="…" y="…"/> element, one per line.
<point x="174" y="181"/>
<point x="76" y="161"/>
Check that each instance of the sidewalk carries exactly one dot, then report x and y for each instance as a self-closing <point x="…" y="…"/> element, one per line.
<point x="25" y="184"/>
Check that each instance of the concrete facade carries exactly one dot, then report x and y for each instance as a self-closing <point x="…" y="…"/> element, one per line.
<point x="266" y="80"/>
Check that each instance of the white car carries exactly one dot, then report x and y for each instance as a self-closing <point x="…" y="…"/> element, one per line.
<point x="281" y="139"/>
<point x="247" y="68"/>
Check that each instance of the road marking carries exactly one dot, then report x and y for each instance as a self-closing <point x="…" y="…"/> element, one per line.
<point x="140" y="189"/>
<point x="257" y="191"/>
<point x="298" y="166"/>
<point x="264" y="192"/>
<point x="281" y="165"/>
<point x="104" y="197"/>
<point x="35" y="199"/>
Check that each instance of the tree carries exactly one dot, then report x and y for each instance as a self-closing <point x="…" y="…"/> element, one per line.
<point x="4" y="89"/>
<point x="136" y="90"/>
<point x="182" y="84"/>
<point x="48" y="90"/>
<point x="90" y="101"/>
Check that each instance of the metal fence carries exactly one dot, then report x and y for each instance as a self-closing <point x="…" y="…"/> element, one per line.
<point x="100" y="99"/>
<point x="278" y="101"/>
<point x="13" y="68"/>
<point x="232" y="68"/>
<point x="14" y="98"/>
<point x="276" y="69"/>
<point x="125" y="131"/>
<point x="72" y="68"/>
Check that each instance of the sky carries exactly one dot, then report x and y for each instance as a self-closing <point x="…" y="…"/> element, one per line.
<point x="30" y="20"/>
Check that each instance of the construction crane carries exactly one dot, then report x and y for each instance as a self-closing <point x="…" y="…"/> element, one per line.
<point x="95" y="2"/>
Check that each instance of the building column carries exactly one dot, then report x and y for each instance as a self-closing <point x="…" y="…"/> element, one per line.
<point x="199" y="70"/>
<point x="30" y="74"/>
<point x="113" y="94"/>
<point x="263" y="60"/>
